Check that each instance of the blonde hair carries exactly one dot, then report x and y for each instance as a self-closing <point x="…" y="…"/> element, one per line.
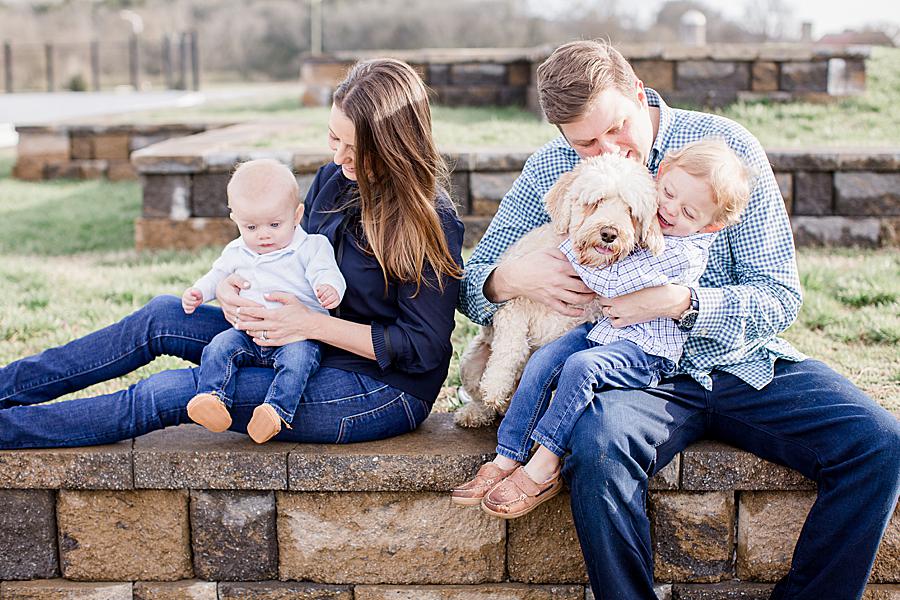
<point x="576" y="73"/>
<point x="398" y="169"/>
<point x="263" y="177"/>
<point x="729" y="177"/>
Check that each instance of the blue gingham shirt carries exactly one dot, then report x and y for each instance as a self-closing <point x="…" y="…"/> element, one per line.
<point x="682" y="262"/>
<point x="750" y="291"/>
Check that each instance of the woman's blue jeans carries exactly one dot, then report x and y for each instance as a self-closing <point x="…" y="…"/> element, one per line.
<point x="808" y="418"/>
<point x="232" y="350"/>
<point x="577" y="368"/>
<point x="336" y="407"/>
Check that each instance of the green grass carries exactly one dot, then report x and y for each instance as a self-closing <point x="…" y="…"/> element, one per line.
<point x="867" y="120"/>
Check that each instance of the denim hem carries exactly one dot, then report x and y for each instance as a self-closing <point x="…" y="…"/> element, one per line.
<point x="548" y="443"/>
<point x="512" y="454"/>
<point x="282" y="414"/>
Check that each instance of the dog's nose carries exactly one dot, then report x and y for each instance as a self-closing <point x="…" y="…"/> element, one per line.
<point x="608" y="235"/>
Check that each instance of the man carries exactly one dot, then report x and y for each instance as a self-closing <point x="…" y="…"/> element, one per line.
<point x="738" y="381"/>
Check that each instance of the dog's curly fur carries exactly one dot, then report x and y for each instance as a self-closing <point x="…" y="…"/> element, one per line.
<point x="607" y="206"/>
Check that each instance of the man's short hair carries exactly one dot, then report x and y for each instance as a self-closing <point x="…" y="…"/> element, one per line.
<point x="729" y="177"/>
<point x="576" y="73"/>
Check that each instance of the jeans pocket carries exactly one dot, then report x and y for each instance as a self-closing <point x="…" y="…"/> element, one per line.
<point x="391" y="418"/>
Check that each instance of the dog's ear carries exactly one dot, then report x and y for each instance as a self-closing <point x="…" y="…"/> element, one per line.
<point x="558" y="205"/>
<point x="651" y="236"/>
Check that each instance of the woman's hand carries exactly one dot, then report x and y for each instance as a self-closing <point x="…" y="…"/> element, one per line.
<point x="233" y="305"/>
<point x="293" y="322"/>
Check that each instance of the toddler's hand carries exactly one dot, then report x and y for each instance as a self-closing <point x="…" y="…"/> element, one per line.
<point x="327" y="296"/>
<point x="191" y="299"/>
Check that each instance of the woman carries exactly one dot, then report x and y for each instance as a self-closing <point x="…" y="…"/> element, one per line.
<point x="386" y="348"/>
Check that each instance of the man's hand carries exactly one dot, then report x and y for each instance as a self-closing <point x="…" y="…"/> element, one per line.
<point x="228" y="294"/>
<point x="647" y="304"/>
<point x="191" y="299"/>
<point x="327" y="296"/>
<point x="545" y="276"/>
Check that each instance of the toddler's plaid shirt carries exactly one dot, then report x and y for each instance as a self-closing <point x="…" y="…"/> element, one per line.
<point x="750" y="291"/>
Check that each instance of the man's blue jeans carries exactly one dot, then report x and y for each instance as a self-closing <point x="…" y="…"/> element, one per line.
<point x="580" y="368"/>
<point x="233" y="349"/>
<point x="336" y="407"/>
<point x="808" y="418"/>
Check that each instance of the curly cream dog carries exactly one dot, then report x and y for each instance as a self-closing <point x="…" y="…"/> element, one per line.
<point x="607" y="206"/>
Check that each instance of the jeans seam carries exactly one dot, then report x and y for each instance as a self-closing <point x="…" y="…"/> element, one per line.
<point x="101" y="364"/>
<point x="361" y="395"/>
<point x="351" y="418"/>
<point x="533" y="420"/>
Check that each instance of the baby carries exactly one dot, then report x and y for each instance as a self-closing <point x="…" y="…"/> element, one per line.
<point x="273" y="254"/>
<point x="701" y="188"/>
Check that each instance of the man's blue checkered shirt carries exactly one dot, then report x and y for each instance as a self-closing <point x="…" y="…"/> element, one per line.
<point x="750" y="291"/>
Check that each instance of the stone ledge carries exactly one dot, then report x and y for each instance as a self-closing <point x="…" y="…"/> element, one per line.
<point x="90" y="468"/>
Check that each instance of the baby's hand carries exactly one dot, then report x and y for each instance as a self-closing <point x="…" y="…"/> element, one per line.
<point x="327" y="296"/>
<point x="191" y="299"/>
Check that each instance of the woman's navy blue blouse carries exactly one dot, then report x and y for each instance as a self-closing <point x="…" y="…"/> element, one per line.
<point x="411" y="335"/>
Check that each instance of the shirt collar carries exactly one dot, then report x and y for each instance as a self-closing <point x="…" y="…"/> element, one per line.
<point x="299" y="237"/>
<point x="663" y="132"/>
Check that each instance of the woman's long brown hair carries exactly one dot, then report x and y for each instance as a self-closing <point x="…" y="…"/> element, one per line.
<point x="398" y="168"/>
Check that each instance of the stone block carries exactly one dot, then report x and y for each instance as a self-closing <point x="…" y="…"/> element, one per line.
<point x="459" y="191"/>
<point x="785" y="183"/>
<point x="121" y="170"/>
<point x="667" y="478"/>
<point x="657" y="74"/>
<point x="475" y="228"/>
<point x="82" y="147"/>
<point x="189" y="456"/>
<point x="709" y="466"/>
<point x="136" y="142"/>
<point x="882" y="592"/>
<point x="804" y="77"/>
<point x="438" y="74"/>
<point x="512" y="96"/>
<point x="166" y="196"/>
<point x="91" y="468"/>
<point x="518" y="73"/>
<point x="60" y="589"/>
<point x="27" y="534"/>
<point x="732" y="590"/>
<point x="837" y="231"/>
<point x="309" y="161"/>
<point x="509" y="160"/>
<point x="115" y="536"/>
<point x="46" y="146"/>
<point x="890" y="232"/>
<point x="305" y="182"/>
<point x="769" y="524"/>
<point x="278" y="590"/>
<point x="764" y="76"/>
<point x="112" y="146"/>
<point x="29" y="168"/>
<point x="712" y="82"/>
<point x="488" y="189"/>
<point x="175" y="590"/>
<point x="386" y="538"/>
<point x="846" y="76"/>
<point x="887" y="561"/>
<point x="466" y="74"/>
<point x="159" y="234"/>
<point x="500" y="591"/>
<point x="434" y="457"/>
<point x="867" y="194"/>
<point x="470" y="95"/>
<point x="324" y="72"/>
<point x="63" y="170"/>
<point x="208" y="195"/>
<point x="233" y="535"/>
<point x="813" y="193"/>
<point x="543" y="547"/>
<point x="663" y="592"/>
<point x="693" y="536"/>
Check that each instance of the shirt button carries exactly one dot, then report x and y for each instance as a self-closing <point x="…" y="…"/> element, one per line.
<point x="704" y="331"/>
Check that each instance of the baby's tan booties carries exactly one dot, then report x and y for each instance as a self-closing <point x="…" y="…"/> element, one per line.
<point x="208" y="410"/>
<point x="264" y="424"/>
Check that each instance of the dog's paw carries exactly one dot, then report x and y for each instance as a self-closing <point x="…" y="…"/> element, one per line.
<point x="474" y="415"/>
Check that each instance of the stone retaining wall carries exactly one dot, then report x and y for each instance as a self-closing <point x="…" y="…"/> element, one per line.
<point x="708" y="75"/>
<point x="834" y="197"/>
<point x="89" y="151"/>
<point x="186" y="514"/>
